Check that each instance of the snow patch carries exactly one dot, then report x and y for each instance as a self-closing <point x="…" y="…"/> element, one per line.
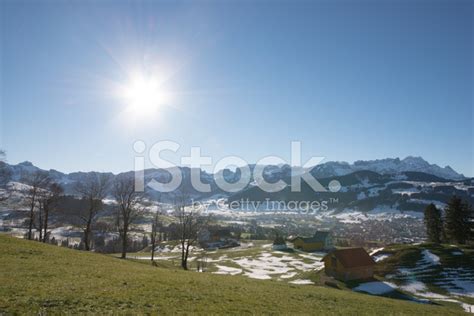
<point x="227" y="270"/>
<point x="429" y="257"/>
<point x="381" y="257"/>
<point x="468" y="307"/>
<point x="288" y="275"/>
<point x="419" y="288"/>
<point x="376" y="287"/>
<point x="301" y="282"/>
<point x="408" y="192"/>
<point x="373" y="252"/>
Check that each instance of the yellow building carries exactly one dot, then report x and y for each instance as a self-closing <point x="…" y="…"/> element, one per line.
<point x="321" y="240"/>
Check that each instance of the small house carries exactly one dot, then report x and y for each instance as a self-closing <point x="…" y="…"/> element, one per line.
<point x="321" y="240"/>
<point x="217" y="238"/>
<point x="279" y="243"/>
<point x="349" y="264"/>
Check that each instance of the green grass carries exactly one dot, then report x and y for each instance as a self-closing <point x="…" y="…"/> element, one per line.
<point x="38" y="278"/>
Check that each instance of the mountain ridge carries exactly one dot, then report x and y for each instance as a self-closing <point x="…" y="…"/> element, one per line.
<point x="323" y="170"/>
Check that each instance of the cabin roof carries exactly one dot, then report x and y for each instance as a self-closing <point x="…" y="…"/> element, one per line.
<point x="319" y="236"/>
<point x="352" y="257"/>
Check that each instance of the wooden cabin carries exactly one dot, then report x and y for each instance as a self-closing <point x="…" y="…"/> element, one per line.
<point x="349" y="264"/>
<point x="321" y="240"/>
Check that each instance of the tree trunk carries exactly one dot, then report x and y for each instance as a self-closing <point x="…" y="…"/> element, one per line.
<point x="184" y="264"/>
<point x="153" y="245"/>
<point x="87" y="233"/>
<point x="40" y="222"/>
<point x="45" y="225"/>
<point x="32" y="217"/>
<point x="124" y="241"/>
<point x="153" y="252"/>
<point x="186" y="254"/>
<point x="184" y="260"/>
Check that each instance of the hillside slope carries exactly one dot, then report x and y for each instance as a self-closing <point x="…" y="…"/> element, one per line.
<point x="440" y="273"/>
<point x="42" y="278"/>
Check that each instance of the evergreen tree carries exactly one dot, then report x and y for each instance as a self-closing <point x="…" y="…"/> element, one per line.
<point x="470" y="210"/>
<point x="457" y="222"/>
<point x="433" y="223"/>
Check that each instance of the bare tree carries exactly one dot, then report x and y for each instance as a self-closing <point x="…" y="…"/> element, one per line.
<point x="5" y="176"/>
<point x="48" y="201"/>
<point x="36" y="183"/>
<point x="190" y="223"/>
<point x="39" y="215"/>
<point x="129" y="207"/>
<point x="93" y="190"/>
<point x="155" y="230"/>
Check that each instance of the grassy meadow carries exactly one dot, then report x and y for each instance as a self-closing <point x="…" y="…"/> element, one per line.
<point x="39" y="278"/>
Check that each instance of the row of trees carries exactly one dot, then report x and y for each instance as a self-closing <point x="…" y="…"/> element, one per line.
<point x="189" y="224"/>
<point x="42" y="194"/>
<point x="41" y="197"/>
<point x="456" y="226"/>
<point x="93" y="191"/>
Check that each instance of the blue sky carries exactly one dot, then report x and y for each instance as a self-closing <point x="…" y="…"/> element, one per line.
<point x="350" y="79"/>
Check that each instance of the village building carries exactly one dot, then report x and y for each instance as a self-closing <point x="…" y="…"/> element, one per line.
<point x="321" y="240"/>
<point x="279" y="243"/>
<point x="349" y="264"/>
<point x="217" y="238"/>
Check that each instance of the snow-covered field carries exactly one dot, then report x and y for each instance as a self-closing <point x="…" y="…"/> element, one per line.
<point x="457" y="281"/>
<point x="254" y="261"/>
<point x="380" y="213"/>
<point x="271" y="264"/>
<point x="428" y="280"/>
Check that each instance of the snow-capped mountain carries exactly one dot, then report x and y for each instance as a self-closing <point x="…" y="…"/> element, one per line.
<point x="386" y="166"/>
<point x="369" y="191"/>
<point x="418" y="164"/>
<point x="401" y="185"/>
<point x="389" y="166"/>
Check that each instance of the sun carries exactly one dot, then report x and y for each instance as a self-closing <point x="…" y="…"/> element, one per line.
<point x="143" y="95"/>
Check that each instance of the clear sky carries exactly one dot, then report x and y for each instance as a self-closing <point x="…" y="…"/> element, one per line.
<point x="350" y="79"/>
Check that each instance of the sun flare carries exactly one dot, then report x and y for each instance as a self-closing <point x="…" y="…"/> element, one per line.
<point x="143" y="95"/>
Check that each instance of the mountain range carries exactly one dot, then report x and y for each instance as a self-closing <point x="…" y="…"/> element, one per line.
<point x="386" y="166"/>
<point x="400" y="183"/>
